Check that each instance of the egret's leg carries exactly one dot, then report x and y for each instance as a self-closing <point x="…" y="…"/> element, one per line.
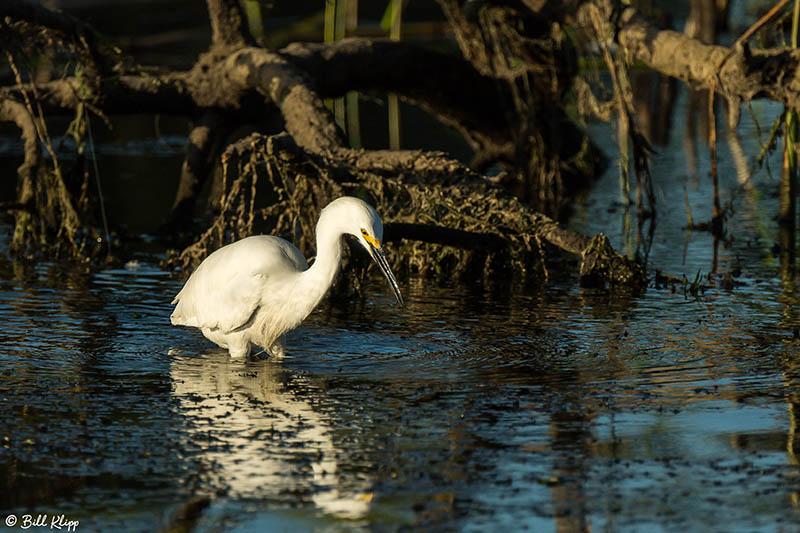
<point x="277" y="348"/>
<point x="239" y="350"/>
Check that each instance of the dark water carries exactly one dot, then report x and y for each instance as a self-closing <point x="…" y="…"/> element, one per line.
<point x="473" y="409"/>
<point x="470" y="410"/>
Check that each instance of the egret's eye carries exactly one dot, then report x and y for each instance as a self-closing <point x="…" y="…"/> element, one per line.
<point x="370" y="239"/>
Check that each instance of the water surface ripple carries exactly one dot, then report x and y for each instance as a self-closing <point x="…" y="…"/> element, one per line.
<point x="472" y="410"/>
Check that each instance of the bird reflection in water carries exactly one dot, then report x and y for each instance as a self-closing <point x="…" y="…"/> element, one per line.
<point x="257" y="437"/>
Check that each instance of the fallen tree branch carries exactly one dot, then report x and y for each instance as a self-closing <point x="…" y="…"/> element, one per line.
<point x="12" y="111"/>
<point x="417" y="191"/>
<point x="452" y="219"/>
<point x="739" y="73"/>
<point x="467" y="240"/>
<point x="432" y="80"/>
<point x="157" y="94"/>
<point x="203" y="148"/>
<point x="56" y="20"/>
<point x="228" y="24"/>
<point x="73" y="32"/>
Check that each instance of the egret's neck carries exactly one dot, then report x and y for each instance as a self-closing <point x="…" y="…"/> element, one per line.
<point x="318" y="278"/>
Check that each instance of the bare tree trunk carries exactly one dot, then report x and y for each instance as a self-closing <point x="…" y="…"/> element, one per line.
<point x="203" y="149"/>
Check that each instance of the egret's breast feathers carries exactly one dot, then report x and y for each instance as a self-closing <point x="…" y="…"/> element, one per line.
<point x="227" y="290"/>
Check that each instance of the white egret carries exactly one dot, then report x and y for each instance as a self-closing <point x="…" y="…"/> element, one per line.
<point x="256" y="289"/>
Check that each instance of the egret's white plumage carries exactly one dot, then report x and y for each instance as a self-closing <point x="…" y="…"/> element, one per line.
<point x="254" y="290"/>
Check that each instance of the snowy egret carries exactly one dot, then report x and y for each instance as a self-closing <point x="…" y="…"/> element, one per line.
<point x="255" y="290"/>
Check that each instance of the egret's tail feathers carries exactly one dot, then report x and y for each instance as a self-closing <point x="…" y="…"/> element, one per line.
<point x="180" y="320"/>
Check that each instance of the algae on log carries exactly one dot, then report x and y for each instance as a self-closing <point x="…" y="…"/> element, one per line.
<point x="443" y="217"/>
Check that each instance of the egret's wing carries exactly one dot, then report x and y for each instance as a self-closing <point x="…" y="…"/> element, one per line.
<point x="227" y="288"/>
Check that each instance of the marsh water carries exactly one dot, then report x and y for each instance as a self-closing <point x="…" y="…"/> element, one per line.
<point x="478" y="407"/>
<point x="475" y="408"/>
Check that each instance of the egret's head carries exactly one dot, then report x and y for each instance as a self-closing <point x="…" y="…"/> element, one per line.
<point x="360" y="219"/>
